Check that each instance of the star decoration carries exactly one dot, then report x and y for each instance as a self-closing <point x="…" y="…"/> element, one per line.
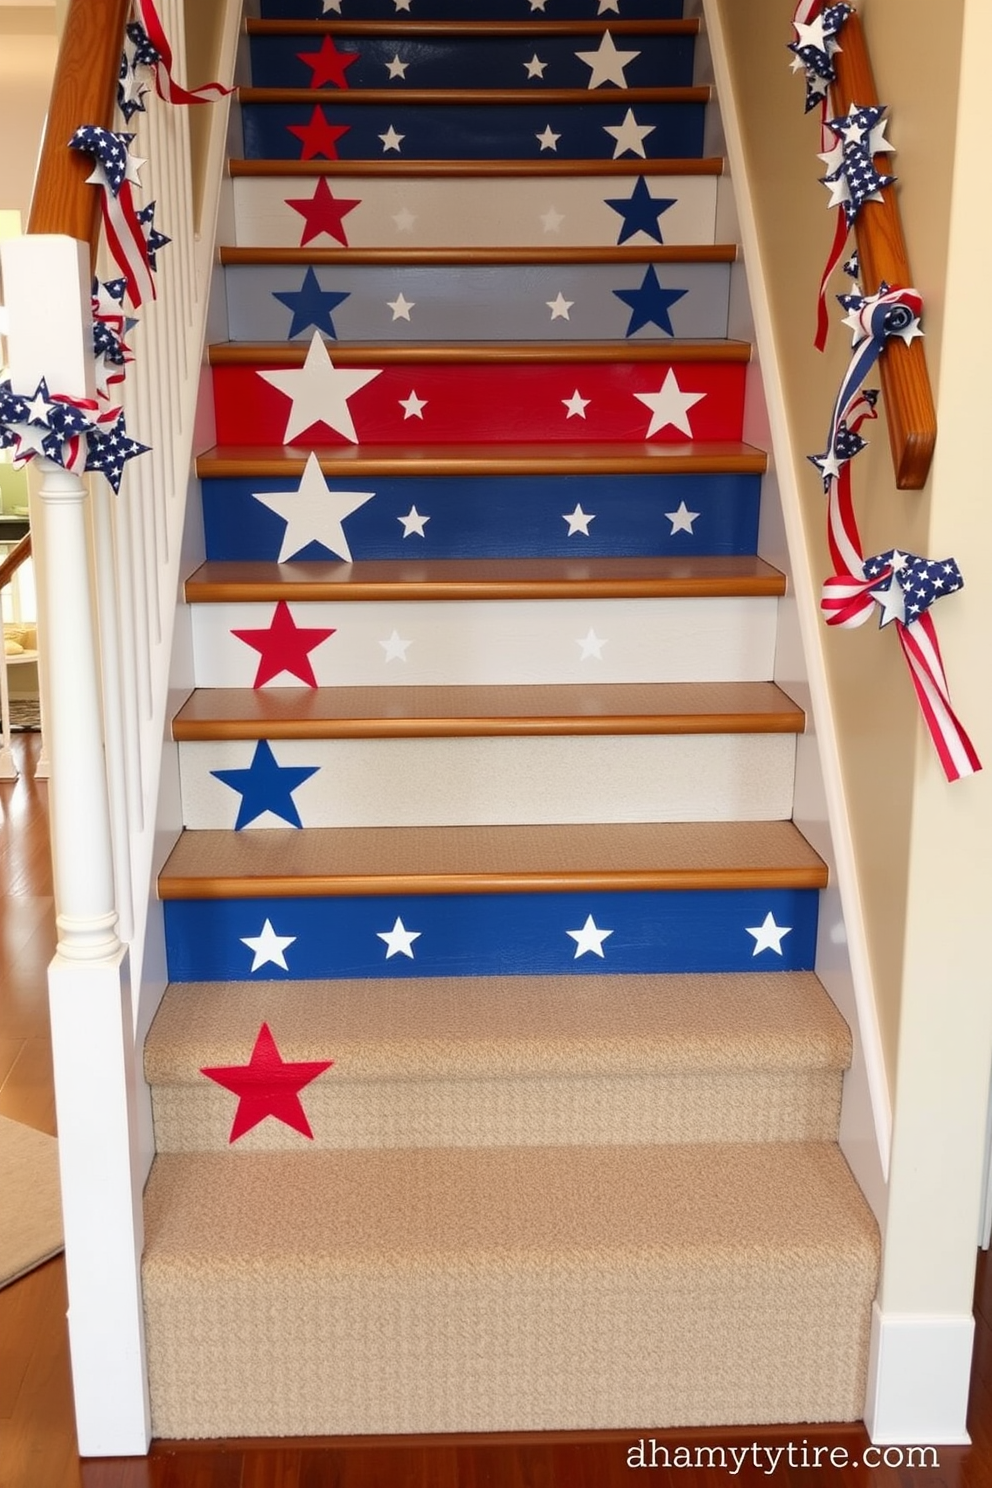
<point x="154" y="240"/>
<point x="681" y="519"/>
<point x="576" y="405"/>
<point x="650" y="303"/>
<point x="413" y="407"/>
<point x="629" y="136"/>
<point x="814" y="48"/>
<point x="607" y="63"/>
<point x="400" y="307"/>
<point x="641" y="211"/>
<point x="914" y="585"/>
<point x="318" y="137"/>
<point x="323" y="213"/>
<point x="402" y="4"/>
<point x="851" y="174"/>
<point x="559" y="307"/>
<point x="551" y="220"/>
<point x="268" y="947"/>
<point x="395" y="647"/>
<point x="413" y="522"/>
<point x="330" y="5"/>
<point x="266" y="786"/>
<point x="114" y="163"/>
<point x="578" y="520"/>
<point x="669" y="406"/>
<point x="328" y="65"/>
<point x="399" y="940"/>
<point x="313" y="513"/>
<point x="605" y="5"/>
<point x="391" y="140"/>
<point x="319" y="392"/>
<point x="592" y="646"/>
<point x="404" y="219"/>
<point x="535" y="68"/>
<point x="396" y="68"/>
<point x="311" y="305"/>
<point x="108" y="451"/>
<point x="283" y="646"/>
<point x="768" y="936"/>
<point x="537" y="4"/>
<point x="589" y="938"/>
<point x="267" y="1085"/>
<point x="548" y="140"/>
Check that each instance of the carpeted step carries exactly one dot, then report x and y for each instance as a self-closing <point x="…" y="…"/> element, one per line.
<point x="496" y="1289"/>
<point x="506" y="1061"/>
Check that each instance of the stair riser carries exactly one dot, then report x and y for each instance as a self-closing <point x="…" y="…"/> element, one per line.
<point x="471" y="61"/>
<point x="482" y="10"/>
<point x="483" y="131"/>
<point x="493" y="402"/>
<point x="491" y="934"/>
<point x="751" y="1106"/>
<point x="461" y="212"/>
<point x="499" y="642"/>
<point x="480" y="517"/>
<point x="474" y="781"/>
<point x="565" y="302"/>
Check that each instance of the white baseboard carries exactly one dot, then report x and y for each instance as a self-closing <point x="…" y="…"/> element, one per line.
<point x="919" y="1373"/>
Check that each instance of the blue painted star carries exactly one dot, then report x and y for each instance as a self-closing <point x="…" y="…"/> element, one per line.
<point x="311" y="306"/>
<point x="266" y="786"/>
<point x="650" y="303"/>
<point x="640" y="211"/>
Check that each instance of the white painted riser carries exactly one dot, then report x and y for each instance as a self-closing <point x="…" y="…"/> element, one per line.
<point x="478" y="213"/>
<point x="503" y="641"/>
<point x="462" y="782"/>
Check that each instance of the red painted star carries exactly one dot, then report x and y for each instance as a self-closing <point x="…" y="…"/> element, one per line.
<point x="323" y="213"/>
<point x="267" y="1085"/>
<point x="283" y="647"/>
<point x="329" y="65"/>
<point x="318" y="137"/>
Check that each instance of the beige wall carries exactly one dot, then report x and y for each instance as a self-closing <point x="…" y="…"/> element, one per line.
<point x="28" y="48"/>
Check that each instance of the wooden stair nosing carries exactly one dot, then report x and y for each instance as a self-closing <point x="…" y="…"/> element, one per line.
<point x="474" y="257"/>
<point x="412" y="28"/>
<point x="232" y="461"/>
<point x="219" y="582"/>
<point x="711" y="165"/>
<point x="460" y="97"/>
<point x="480" y="711"/>
<point x="322" y="862"/>
<point x="461" y="353"/>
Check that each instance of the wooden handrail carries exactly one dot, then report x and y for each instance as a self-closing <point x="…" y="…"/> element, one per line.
<point x="14" y="559"/>
<point x="84" y="91"/>
<point x="909" y="405"/>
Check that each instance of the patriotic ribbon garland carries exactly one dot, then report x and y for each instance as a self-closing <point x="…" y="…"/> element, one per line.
<point x="150" y="48"/>
<point x="115" y="170"/>
<point x="72" y="432"/>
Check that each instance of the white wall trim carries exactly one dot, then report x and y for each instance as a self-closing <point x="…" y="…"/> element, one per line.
<point x="919" y="1373"/>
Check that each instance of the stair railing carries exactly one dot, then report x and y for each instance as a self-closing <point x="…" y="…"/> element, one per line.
<point x="909" y="404"/>
<point x="10" y="566"/>
<point x="108" y="576"/>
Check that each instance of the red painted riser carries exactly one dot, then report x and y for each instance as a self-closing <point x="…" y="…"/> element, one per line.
<point x="493" y="403"/>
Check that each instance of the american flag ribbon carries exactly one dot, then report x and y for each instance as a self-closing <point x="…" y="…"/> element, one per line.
<point x="165" y="84"/>
<point x="112" y="172"/>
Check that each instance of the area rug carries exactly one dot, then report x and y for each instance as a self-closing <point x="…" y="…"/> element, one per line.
<point x="30" y="1206"/>
<point x="25" y="716"/>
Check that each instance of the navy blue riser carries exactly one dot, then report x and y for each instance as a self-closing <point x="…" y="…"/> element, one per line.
<point x="478" y="131"/>
<point x="470" y="61"/>
<point x="476" y="10"/>
<point x="502" y="516"/>
<point x="584" y="302"/>
<point x="491" y="934"/>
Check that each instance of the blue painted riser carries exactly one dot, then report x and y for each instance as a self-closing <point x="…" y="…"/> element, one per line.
<point x="491" y="934"/>
<point x="476" y="10"/>
<point x="502" y="516"/>
<point x="477" y="132"/>
<point x="470" y="62"/>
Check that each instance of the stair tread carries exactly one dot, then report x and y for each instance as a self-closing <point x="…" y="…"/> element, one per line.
<point x="510" y="97"/>
<point x="289" y="863"/>
<point x="672" y="166"/>
<point x="396" y="712"/>
<point x="652" y="253"/>
<point x="218" y="582"/>
<point x="481" y="459"/>
<point x="353" y="353"/>
<point x="498" y="1027"/>
<point x="409" y="26"/>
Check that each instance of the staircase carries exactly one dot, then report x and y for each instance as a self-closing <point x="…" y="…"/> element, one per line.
<point x="494" y="1089"/>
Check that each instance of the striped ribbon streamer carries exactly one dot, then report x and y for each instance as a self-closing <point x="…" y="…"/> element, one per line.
<point x="165" y="84"/>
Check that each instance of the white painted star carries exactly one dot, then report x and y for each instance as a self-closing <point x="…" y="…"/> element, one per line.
<point x="400" y="307"/>
<point x="396" y="68"/>
<point x="319" y="392"/>
<point x="413" y="522"/>
<point x="537" y="4"/>
<point x="681" y="519"/>
<point x="578" y="520"/>
<point x="413" y="407"/>
<point x="559" y="307"/>
<point x="334" y="5"/>
<point x="395" y="647"/>
<point x="576" y="405"/>
<point x="607" y="63"/>
<point x="548" y="140"/>
<point x="669" y="406"/>
<point x="629" y="135"/>
<point x="812" y="33"/>
<point x="768" y="935"/>
<point x="605" y="5"/>
<point x="402" y="4"/>
<point x="391" y="140"/>
<point x="313" y="512"/>
<point x="535" y="67"/>
<point x="592" y="645"/>
<point x="892" y="600"/>
<point x="399" y="940"/>
<point x="551" y="220"/>
<point x="268" y="947"/>
<point x="589" y="938"/>
<point x="404" y="219"/>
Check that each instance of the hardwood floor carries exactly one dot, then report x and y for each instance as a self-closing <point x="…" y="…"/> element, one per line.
<point x="37" y="1431"/>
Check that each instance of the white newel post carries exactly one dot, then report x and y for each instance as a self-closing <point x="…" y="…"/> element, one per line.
<point x="47" y="292"/>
